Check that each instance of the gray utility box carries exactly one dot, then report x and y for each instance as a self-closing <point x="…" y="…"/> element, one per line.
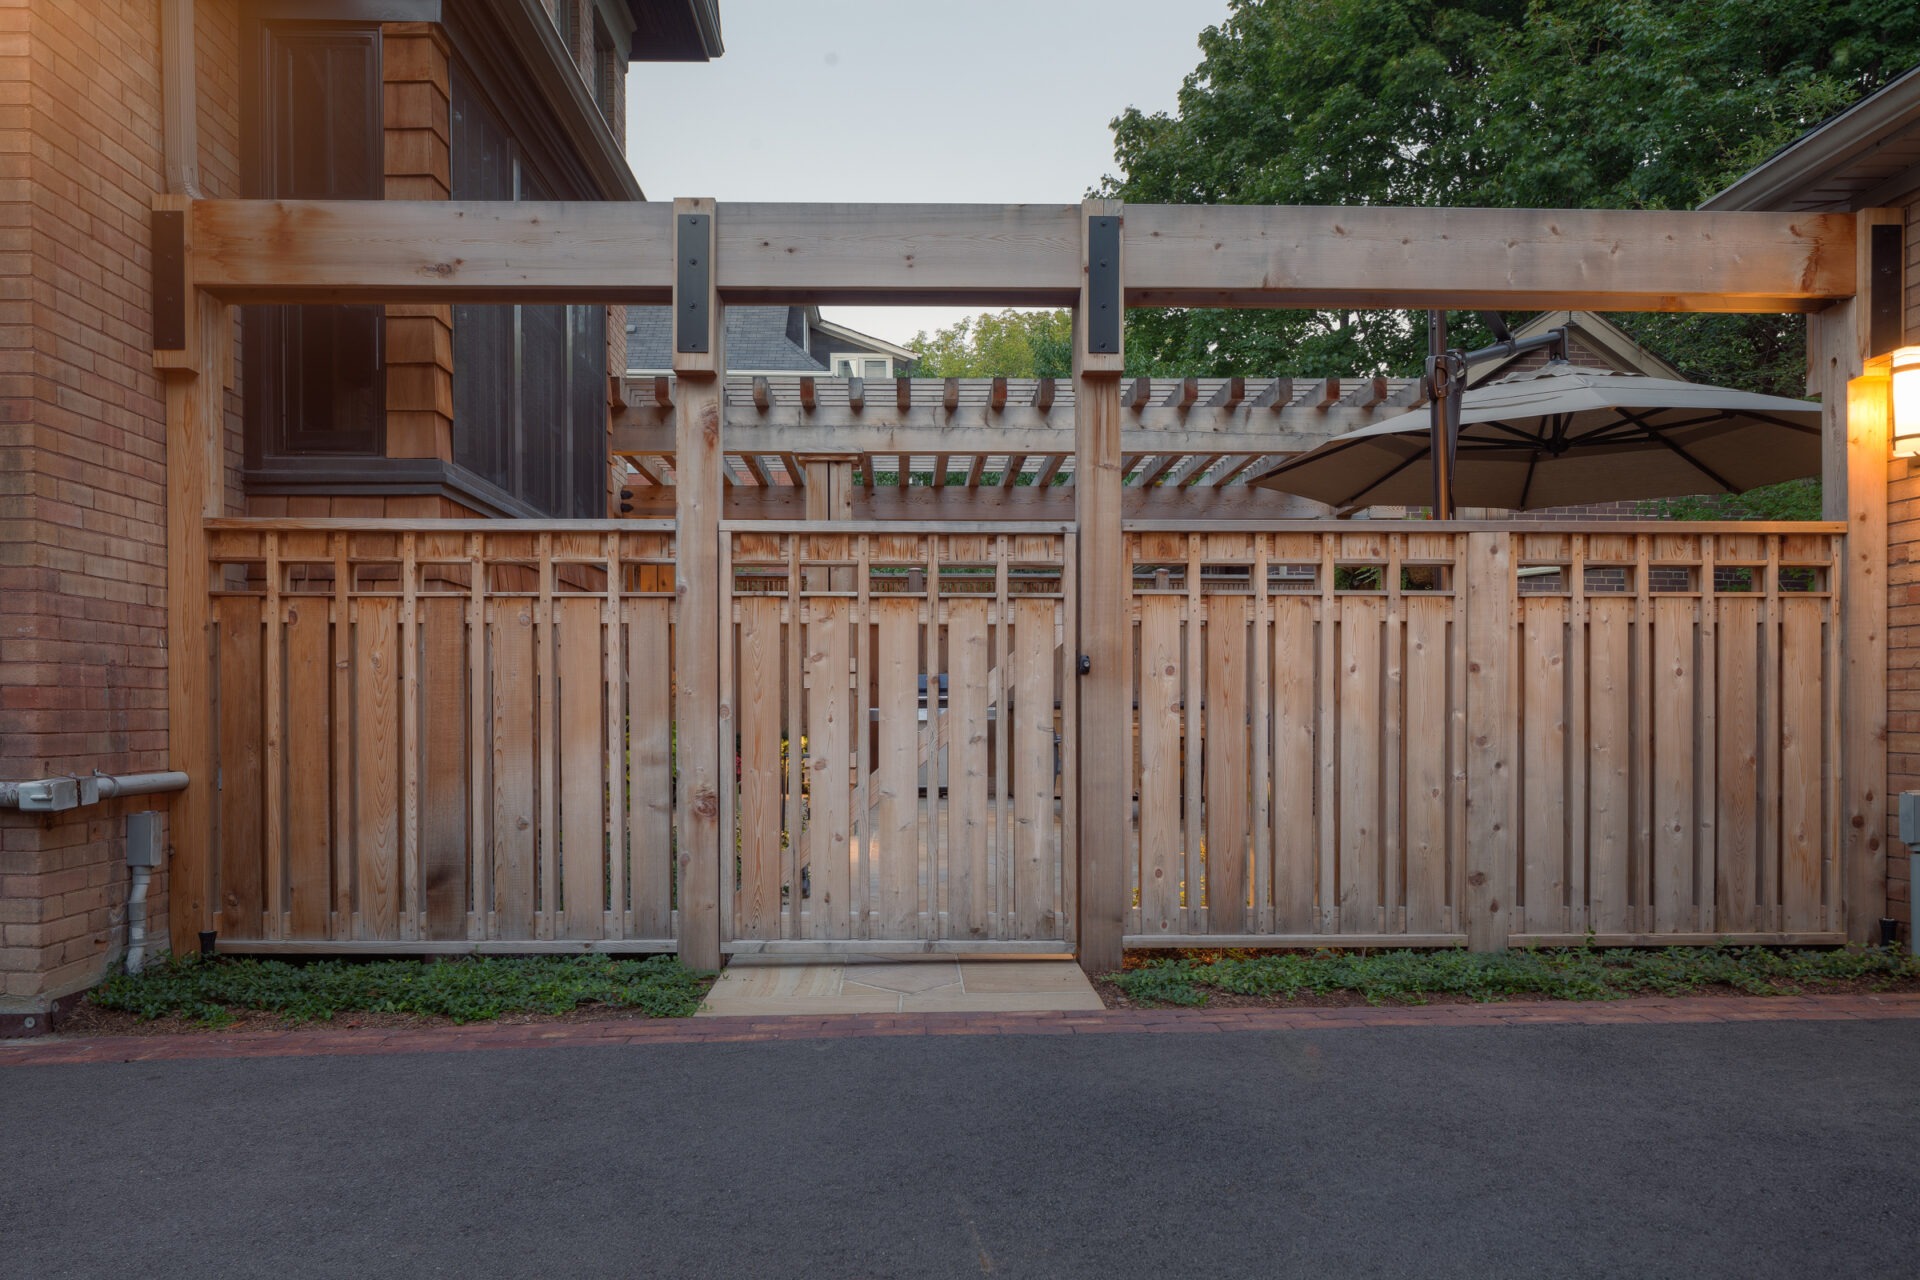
<point x="144" y="848"/>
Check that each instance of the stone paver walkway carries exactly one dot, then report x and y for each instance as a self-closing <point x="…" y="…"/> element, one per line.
<point x="938" y="984"/>
<point x="315" y="1041"/>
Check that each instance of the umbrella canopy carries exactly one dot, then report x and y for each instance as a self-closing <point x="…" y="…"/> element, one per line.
<point x="1562" y="436"/>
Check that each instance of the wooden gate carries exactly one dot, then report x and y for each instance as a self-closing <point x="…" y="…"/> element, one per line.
<point x="901" y="698"/>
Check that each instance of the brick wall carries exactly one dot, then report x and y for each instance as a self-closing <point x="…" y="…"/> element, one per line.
<point x="82" y="464"/>
<point x="1903" y="622"/>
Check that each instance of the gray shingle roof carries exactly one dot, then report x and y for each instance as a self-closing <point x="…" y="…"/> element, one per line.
<point x="756" y="340"/>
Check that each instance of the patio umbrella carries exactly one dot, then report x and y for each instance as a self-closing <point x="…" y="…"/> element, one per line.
<point x="1562" y="436"/>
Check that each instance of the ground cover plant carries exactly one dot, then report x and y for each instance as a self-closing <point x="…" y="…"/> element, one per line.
<point x="213" y="989"/>
<point x="1576" y="973"/>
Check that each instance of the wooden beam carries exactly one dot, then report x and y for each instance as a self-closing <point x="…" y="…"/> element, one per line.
<point x="663" y="392"/>
<point x="997" y="396"/>
<point x="903" y="394"/>
<point x="1186" y="255"/>
<point x="1374" y="391"/>
<point x="1329" y="394"/>
<point x="1138" y="392"/>
<point x="699" y="496"/>
<point x="806" y="394"/>
<point x="1184" y="393"/>
<point x="1229" y="396"/>
<point x="1010" y="475"/>
<point x="950" y="394"/>
<point x="762" y="395"/>
<point x="1043" y="395"/>
<point x="857" y="394"/>
<point x="1481" y="259"/>
<point x="1277" y="396"/>
<point x="1104" y="597"/>
<point x="834" y="436"/>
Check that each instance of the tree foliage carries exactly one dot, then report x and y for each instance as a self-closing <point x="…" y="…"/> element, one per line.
<point x="1002" y="344"/>
<point x="1514" y="103"/>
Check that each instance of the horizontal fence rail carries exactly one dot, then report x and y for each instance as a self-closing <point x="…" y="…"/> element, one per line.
<point x="905" y="765"/>
<point x="443" y="736"/>
<point x="1440" y="737"/>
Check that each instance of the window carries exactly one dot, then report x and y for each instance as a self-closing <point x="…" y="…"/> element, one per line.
<point x="862" y="366"/>
<point x="529" y="383"/>
<point x="315" y="382"/>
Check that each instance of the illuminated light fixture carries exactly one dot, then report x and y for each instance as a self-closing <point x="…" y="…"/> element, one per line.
<point x="1906" y="402"/>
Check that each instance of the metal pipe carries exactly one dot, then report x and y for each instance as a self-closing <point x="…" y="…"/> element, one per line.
<point x="1439" y="389"/>
<point x="55" y="795"/>
<point x="141" y="784"/>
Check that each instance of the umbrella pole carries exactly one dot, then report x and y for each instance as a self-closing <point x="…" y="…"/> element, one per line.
<point x="1441" y="415"/>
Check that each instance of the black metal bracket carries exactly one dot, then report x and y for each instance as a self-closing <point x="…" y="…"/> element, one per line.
<point x="169" y="229"/>
<point x="692" y="319"/>
<point x="1103" y="286"/>
<point x="1086" y="664"/>
<point x="1886" y="319"/>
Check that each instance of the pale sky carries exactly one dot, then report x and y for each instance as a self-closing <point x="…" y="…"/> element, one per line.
<point x="1001" y="101"/>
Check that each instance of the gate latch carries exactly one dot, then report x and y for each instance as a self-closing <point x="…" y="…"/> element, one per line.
<point x="1086" y="664"/>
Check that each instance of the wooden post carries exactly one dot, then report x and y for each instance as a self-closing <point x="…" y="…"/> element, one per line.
<point x="1491" y="847"/>
<point x="703" y="723"/>
<point x="196" y="375"/>
<point x="1104" y="692"/>
<point x="1857" y="422"/>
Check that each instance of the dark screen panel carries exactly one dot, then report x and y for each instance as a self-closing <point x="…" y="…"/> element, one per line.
<point x="316" y="380"/>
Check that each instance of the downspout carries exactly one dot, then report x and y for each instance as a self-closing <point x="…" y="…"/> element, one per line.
<point x="137" y="918"/>
<point x="180" y="104"/>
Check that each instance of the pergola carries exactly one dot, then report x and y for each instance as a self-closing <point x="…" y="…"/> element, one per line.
<point x="1096" y="258"/>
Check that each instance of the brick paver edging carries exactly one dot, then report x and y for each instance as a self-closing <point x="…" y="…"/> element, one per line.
<point x="312" y="1041"/>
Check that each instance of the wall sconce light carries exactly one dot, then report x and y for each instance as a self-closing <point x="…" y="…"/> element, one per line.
<point x="1906" y="402"/>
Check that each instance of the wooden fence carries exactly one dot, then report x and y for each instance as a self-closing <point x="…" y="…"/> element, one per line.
<point x="443" y="736"/>
<point x="1440" y="737"/>
<point x="460" y="736"/>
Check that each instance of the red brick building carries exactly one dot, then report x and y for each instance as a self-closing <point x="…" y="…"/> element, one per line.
<point x="331" y="411"/>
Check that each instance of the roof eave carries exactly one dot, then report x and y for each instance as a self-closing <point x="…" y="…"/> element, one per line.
<point x="1825" y="148"/>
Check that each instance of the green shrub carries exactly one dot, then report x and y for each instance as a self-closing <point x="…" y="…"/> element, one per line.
<point x="465" y="990"/>
<point x="1577" y="973"/>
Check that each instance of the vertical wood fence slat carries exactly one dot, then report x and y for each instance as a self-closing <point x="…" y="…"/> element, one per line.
<point x="1161" y="848"/>
<point x="242" y="902"/>
<point x="1227" y="757"/>
<point x="514" y="767"/>
<point x="581" y="754"/>
<point x="969" y="817"/>
<point x="376" y="734"/>
<point x="311" y="781"/>
<point x="1426" y="729"/>
<point x="896" y="842"/>
<point x="649" y="714"/>
<point x="444" y="772"/>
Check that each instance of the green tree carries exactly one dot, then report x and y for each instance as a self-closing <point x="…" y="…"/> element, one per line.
<point x="1515" y="103"/>
<point x="1001" y="344"/>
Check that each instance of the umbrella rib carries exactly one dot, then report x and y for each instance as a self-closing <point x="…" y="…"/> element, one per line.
<point x="1533" y="463"/>
<point x="1697" y="465"/>
<point x="1376" y="483"/>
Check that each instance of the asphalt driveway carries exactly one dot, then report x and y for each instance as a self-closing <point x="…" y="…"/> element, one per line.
<point x="1766" y="1149"/>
